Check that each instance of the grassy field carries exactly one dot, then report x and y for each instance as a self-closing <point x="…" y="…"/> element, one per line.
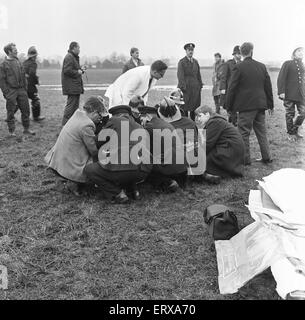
<point x="57" y="246"/>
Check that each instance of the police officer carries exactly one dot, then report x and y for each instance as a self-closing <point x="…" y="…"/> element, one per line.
<point x="30" y="67"/>
<point x="189" y="80"/>
<point x="291" y="89"/>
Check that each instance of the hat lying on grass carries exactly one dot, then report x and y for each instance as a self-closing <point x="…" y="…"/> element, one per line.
<point x="168" y="110"/>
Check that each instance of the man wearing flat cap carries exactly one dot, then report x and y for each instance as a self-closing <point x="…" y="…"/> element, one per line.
<point x="189" y="80"/>
<point x="225" y="76"/>
<point x="30" y="68"/>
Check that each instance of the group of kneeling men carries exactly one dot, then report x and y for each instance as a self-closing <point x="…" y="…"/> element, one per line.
<point x="96" y="148"/>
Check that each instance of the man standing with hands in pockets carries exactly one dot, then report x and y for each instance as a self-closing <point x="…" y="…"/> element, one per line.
<point x="72" y="82"/>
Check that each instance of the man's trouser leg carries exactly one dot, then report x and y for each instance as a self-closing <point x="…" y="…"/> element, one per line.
<point x="217" y="103"/>
<point x="71" y="107"/>
<point x="259" y="127"/>
<point x="35" y="102"/>
<point x="23" y="104"/>
<point x="11" y="102"/>
<point x="233" y="118"/>
<point x="290" y="113"/>
<point x="192" y="115"/>
<point x="300" y="118"/>
<point x="245" y="125"/>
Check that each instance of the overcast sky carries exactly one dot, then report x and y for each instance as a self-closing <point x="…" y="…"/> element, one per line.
<point x="159" y="28"/>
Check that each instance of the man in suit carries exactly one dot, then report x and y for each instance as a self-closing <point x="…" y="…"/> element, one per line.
<point x="291" y="89"/>
<point x="134" y="62"/>
<point x="72" y="82"/>
<point x="224" y="79"/>
<point x="250" y="94"/>
<point x="135" y="82"/>
<point x="189" y="80"/>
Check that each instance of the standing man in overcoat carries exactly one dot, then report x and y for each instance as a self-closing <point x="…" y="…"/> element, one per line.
<point x="72" y="82"/>
<point x="189" y="81"/>
<point x="250" y="94"/>
<point x="291" y="89"/>
<point x="224" y="79"/>
<point x="30" y="68"/>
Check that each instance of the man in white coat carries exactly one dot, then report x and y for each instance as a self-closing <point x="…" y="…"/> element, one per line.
<point x="135" y="82"/>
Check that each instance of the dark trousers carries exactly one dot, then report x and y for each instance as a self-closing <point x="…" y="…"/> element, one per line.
<point x="291" y="124"/>
<point x="17" y="99"/>
<point x="256" y="120"/>
<point x="35" y="102"/>
<point x="71" y="106"/>
<point x="159" y="180"/>
<point x="217" y="103"/>
<point x="112" y="182"/>
<point x="190" y="114"/>
<point x="233" y="118"/>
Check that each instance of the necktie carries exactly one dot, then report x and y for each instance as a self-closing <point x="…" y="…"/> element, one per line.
<point x="149" y="84"/>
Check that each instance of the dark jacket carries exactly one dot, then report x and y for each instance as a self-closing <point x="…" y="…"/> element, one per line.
<point x="185" y="123"/>
<point x="225" y="74"/>
<point x="291" y="80"/>
<point x="12" y="76"/>
<point x="72" y="82"/>
<point x="30" y="68"/>
<point x="165" y="155"/>
<point x="249" y="88"/>
<point x="224" y="148"/>
<point x="130" y="65"/>
<point x="190" y="82"/>
<point x="218" y="69"/>
<point x="124" y="145"/>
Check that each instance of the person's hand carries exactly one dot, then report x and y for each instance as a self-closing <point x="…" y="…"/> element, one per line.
<point x="80" y="71"/>
<point x="223" y="91"/>
<point x="282" y="96"/>
<point x="271" y="111"/>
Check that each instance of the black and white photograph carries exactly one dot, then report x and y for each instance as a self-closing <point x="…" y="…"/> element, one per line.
<point x="152" y="151"/>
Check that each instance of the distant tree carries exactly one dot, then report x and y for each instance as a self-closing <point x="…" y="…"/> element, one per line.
<point x="107" y="64"/>
<point x="99" y="65"/>
<point x="46" y="64"/>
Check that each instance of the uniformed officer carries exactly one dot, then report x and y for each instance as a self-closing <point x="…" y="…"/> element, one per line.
<point x="291" y="89"/>
<point x="189" y="80"/>
<point x="30" y="67"/>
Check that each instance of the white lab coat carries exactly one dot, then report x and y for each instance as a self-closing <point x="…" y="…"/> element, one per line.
<point x="131" y="83"/>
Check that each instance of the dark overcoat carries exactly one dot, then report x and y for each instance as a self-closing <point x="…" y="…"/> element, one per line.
<point x="249" y="88"/>
<point x="190" y="82"/>
<point x="72" y="82"/>
<point x="291" y="81"/>
<point x="30" y="68"/>
<point x="165" y="155"/>
<point x="224" y="148"/>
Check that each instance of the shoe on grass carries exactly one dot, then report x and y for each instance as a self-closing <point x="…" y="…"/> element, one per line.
<point x="121" y="198"/>
<point x="292" y="137"/>
<point x="40" y="118"/>
<point x="264" y="161"/>
<point x="28" y="132"/>
<point x="173" y="186"/>
<point x="210" y="178"/>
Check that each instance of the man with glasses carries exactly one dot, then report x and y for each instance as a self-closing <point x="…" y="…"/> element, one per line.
<point x="135" y="82"/>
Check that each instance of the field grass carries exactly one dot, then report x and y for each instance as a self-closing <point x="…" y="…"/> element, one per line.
<point x="57" y="246"/>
